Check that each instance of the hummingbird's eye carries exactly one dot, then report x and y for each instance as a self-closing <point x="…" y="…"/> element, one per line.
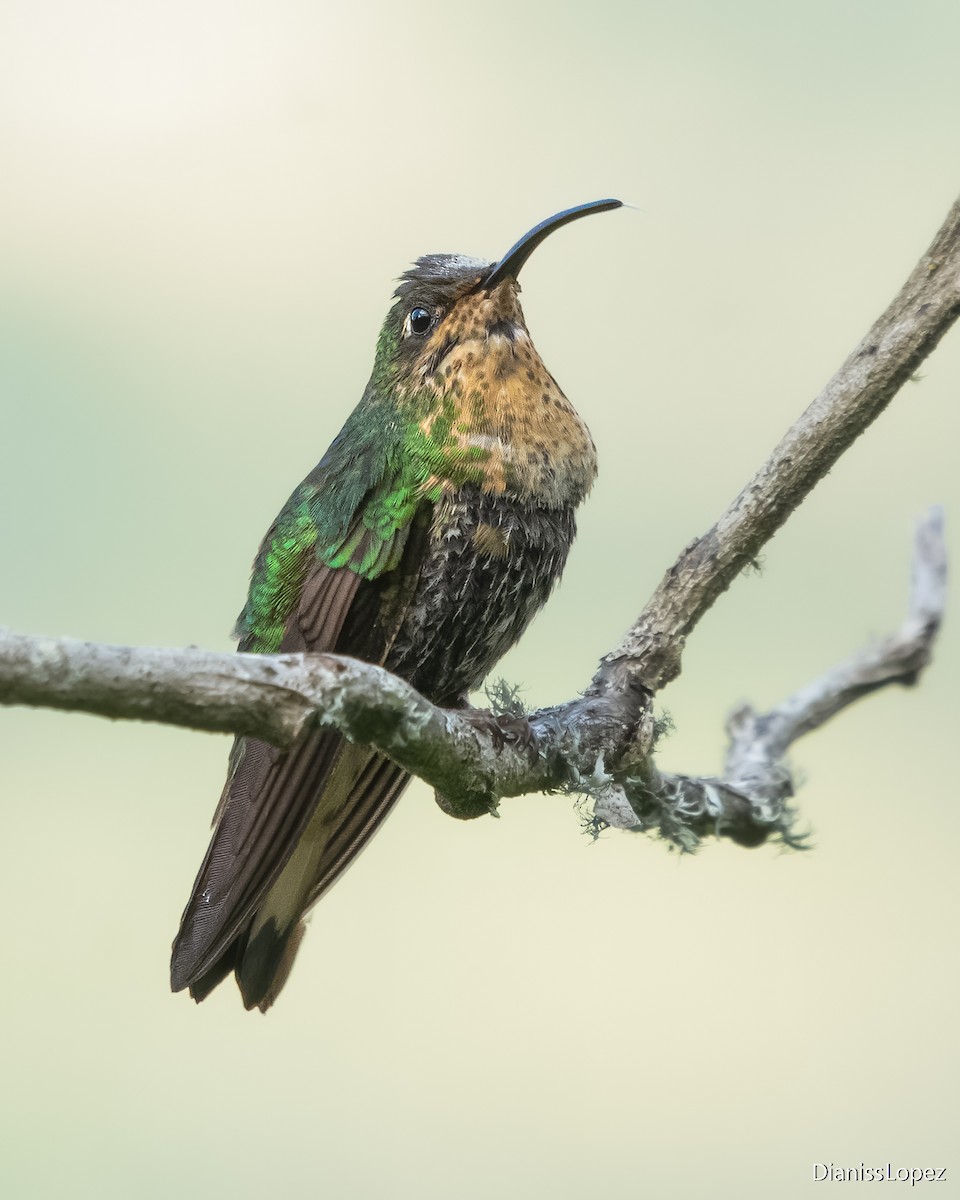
<point x="420" y="320"/>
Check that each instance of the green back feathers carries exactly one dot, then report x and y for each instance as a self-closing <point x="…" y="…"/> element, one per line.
<point x="351" y="511"/>
<point x="354" y="510"/>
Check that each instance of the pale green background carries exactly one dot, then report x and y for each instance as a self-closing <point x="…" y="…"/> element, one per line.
<point x="203" y="208"/>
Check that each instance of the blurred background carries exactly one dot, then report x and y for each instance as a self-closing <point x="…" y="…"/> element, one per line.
<point x="204" y="206"/>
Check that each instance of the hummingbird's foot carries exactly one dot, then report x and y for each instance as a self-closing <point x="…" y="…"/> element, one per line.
<point x="505" y="729"/>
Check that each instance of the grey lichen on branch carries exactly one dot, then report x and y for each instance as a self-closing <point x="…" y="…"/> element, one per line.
<point x="274" y="697"/>
<point x="750" y="801"/>
<point x="602" y="743"/>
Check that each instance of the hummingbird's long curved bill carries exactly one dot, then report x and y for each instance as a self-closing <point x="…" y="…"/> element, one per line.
<point x="509" y="266"/>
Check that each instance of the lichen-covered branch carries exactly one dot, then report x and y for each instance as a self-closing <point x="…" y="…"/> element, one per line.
<point x="274" y="697"/>
<point x="464" y="755"/>
<point x="602" y="742"/>
<point x="750" y="801"/>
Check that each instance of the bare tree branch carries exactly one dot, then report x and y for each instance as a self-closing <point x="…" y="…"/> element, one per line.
<point x="601" y="743"/>
<point x="461" y="754"/>
<point x="751" y="799"/>
<point x="898" y="342"/>
<point x="270" y="696"/>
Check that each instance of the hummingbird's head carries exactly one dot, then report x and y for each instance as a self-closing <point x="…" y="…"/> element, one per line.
<point x="453" y="312"/>
<point x="478" y="405"/>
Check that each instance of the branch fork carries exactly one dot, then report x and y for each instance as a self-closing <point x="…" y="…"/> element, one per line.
<point x="602" y="743"/>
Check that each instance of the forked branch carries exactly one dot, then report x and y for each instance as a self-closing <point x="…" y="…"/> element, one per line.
<point x="600" y="743"/>
<point x="750" y="800"/>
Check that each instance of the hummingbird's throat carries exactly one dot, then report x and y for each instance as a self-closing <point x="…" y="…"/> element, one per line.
<point x="489" y="412"/>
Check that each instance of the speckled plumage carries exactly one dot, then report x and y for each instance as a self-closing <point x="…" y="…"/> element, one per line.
<point x="426" y="539"/>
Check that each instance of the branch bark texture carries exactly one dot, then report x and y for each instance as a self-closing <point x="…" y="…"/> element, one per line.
<point x="751" y="798"/>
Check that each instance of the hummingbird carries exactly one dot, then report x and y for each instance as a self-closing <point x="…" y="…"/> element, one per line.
<point x="425" y="540"/>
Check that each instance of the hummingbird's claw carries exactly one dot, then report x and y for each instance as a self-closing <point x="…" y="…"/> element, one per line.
<point x="506" y="729"/>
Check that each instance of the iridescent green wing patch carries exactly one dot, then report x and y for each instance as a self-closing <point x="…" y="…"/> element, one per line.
<point x="375" y="538"/>
<point x="278" y="574"/>
<point x="332" y="518"/>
